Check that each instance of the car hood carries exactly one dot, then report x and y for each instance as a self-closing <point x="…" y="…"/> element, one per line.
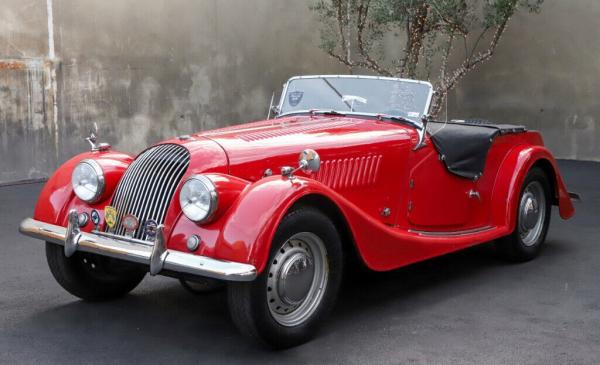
<point x="253" y="148"/>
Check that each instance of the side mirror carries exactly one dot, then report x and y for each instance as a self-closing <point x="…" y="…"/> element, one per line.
<point x="309" y="161"/>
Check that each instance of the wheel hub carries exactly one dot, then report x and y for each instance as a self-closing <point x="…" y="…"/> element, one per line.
<point x="532" y="211"/>
<point x="297" y="279"/>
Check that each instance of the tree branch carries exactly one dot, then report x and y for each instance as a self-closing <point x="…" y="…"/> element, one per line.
<point x="363" y="11"/>
<point x="468" y="65"/>
<point x="340" y="21"/>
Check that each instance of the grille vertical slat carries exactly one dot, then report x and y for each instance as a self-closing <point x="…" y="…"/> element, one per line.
<point x="154" y="208"/>
<point x="129" y="181"/>
<point x="135" y="186"/>
<point x="164" y="197"/>
<point x="148" y="186"/>
<point x="152" y="179"/>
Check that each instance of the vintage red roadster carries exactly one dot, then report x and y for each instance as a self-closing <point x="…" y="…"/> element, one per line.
<point x="349" y="165"/>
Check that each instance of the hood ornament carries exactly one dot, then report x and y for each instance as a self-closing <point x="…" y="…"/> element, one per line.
<point x="93" y="138"/>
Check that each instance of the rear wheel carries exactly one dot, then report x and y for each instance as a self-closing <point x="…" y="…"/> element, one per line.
<point x="92" y="277"/>
<point x="284" y="306"/>
<point x="533" y="219"/>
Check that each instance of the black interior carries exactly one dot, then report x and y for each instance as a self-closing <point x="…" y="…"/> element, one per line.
<point x="463" y="145"/>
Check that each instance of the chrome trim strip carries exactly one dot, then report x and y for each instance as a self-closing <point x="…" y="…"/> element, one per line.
<point x="156" y="257"/>
<point x="452" y="233"/>
<point x="123" y="238"/>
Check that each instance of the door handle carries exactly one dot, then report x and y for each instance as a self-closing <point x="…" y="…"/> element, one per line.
<point x="474" y="194"/>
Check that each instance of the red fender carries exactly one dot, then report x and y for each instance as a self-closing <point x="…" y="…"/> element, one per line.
<point x="511" y="176"/>
<point x="250" y="224"/>
<point x="57" y="195"/>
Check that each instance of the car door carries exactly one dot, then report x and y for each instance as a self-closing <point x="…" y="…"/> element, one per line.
<point x="437" y="199"/>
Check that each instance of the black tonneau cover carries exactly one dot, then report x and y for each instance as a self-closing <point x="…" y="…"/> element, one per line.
<point x="463" y="145"/>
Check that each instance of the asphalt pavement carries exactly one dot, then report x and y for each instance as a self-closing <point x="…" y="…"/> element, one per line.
<point x="465" y="308"/>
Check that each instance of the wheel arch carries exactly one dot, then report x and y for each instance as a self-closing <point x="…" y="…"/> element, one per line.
<point x="333" y="211"/>
<point x="546" y="166"/>
<point x="513" y="171"/>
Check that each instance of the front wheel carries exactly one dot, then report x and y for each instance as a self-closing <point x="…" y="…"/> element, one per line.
<point x="92" y="277"/>
<point x="533" y="219"/>
<point x="297" y="289"/>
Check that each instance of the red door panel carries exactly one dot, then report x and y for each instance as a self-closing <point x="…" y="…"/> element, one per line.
<point x="438" y="200"/>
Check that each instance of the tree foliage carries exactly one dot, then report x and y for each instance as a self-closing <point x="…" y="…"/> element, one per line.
<point x="416" y="38"/>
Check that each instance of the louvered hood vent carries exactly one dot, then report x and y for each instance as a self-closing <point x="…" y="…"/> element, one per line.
<point x="148" y="185"/>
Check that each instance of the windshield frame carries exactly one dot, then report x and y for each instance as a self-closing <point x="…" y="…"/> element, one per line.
<point x="285" y="87"/>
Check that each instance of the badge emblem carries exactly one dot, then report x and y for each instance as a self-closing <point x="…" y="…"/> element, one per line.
<point x="130" y="223"/>
<point x="95" y="218"/>
<point x="150" y="228"/>
<point x="295" y="97"/>
<point x="110" y="216"/>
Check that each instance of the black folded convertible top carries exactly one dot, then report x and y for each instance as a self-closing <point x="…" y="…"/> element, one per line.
<point x="463" y="145"/>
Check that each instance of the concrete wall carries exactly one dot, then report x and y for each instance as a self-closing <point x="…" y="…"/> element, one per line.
<point x="546" y="75"/>
<point x="145" y="70"/>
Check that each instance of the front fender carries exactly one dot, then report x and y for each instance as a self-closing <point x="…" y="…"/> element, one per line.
<point x="244" y="230"/>
<point x="57" y="196"/>
<point x="511" y="176"/>
<point x="255" y="216"/>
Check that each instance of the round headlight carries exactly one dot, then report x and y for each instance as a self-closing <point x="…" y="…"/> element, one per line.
<point x="88" y="181"/>
<point x="198" y="198"/>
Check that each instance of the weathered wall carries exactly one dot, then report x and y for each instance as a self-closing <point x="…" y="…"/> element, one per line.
<point x="546" y="75"/>
<point x="145" y="70"/>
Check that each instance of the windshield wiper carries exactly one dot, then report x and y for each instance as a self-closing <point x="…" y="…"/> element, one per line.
<point x="398" y="118"/>
<point x="336" y="91"/>
<point x="327" y="112"/>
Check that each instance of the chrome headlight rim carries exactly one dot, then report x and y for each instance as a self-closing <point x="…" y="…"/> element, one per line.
<point x="99" y="176"/>
<point x="213" y="194"/>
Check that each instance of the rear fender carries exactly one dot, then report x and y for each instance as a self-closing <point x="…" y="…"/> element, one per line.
<point x="511" y="176"/>
<point x="57" y="196"/>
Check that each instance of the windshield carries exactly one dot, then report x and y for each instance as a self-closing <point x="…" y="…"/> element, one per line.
<point x="361" y="95"/>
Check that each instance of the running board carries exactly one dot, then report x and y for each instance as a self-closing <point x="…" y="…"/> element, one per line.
<point x="452" y="233"/>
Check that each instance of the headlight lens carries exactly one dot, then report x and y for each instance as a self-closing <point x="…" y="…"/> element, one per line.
<point x="88" y="181"/>
<point x="198" y="198"/>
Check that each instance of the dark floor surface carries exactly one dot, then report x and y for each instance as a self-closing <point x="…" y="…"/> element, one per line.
<point x="465" y="308"/>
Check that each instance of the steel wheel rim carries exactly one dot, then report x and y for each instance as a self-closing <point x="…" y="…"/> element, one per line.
<point x="532" y="213"/>
<point x="299" y="266"/>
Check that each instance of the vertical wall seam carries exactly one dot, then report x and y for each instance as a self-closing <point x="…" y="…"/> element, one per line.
<point x="53" y="86"/>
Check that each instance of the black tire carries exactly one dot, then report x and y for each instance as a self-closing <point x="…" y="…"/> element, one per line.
<point x="92" y="277"/>
<point x="512" y="247"/>
<point x="248" y="301"/>
<point x="201" y="286"/>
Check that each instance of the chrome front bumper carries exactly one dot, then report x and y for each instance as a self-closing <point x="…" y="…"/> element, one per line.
<point x="155" y="255"/>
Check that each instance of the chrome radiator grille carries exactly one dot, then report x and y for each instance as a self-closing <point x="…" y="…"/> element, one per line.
<point x="148" y="185"/>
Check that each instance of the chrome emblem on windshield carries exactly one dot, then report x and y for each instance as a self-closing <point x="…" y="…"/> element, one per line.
<point x="295" y="97"/>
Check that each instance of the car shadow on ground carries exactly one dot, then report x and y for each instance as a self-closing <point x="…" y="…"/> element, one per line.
<point x="170" y="317"/>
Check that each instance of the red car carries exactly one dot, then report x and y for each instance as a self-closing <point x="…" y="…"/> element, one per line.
<point x="375" y="177"/>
